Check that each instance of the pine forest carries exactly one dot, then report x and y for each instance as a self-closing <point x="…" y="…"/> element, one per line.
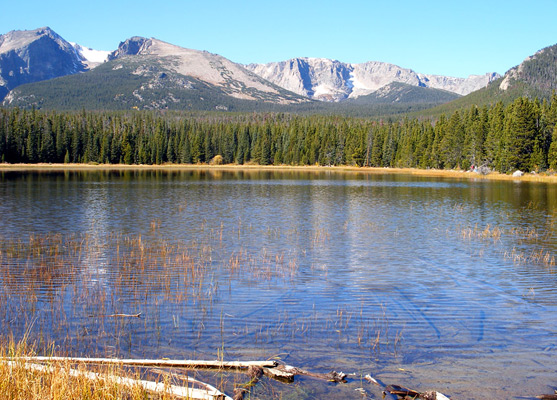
<point x="519" y="136"/>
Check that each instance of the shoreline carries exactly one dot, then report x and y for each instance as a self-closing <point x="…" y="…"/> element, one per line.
<point x="437" y="173"/>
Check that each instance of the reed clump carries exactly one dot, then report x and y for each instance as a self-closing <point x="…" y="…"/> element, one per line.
<point x="493" y="233"/>
<point x="524" y="237"/>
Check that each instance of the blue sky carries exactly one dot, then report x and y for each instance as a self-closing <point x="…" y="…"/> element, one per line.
<point x="455" y="38"/>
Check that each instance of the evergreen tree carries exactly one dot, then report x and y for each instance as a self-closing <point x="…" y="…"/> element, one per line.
<point x="552" y="156"/>
<point x="521" y="133"/>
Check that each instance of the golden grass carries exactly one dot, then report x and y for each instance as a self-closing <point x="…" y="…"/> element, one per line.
<point x="19" y="381"/>
<point x="458" y="174"/>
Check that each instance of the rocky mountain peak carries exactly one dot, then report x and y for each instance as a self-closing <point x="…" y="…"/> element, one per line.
<point x="130" y="47"/>
<point x="35" y="55"/>
<point x="537" y="72"/>
<point x="332" y="80"/>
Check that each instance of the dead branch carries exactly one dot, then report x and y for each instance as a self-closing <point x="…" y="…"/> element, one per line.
<point x="406" y="393"/>
<point x="138" y="315"/>
<point x="370" y="379"/>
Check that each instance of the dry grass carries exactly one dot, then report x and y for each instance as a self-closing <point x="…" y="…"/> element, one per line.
<point x="542" y="177"/>
<point x="19" y="381"/>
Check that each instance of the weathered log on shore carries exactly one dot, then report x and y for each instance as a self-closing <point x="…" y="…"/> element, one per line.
<point x="287" y="373"/>
<point x="207" y="393"/>
<point x="191" y="364"/>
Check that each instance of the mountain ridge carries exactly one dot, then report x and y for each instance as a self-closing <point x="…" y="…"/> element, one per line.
<point x="35" y="55"/>
<point x="338" y="81"/>
<point x="147" y="73"/>
<point x="333" y="80"/>
<point x="208" y="67"/>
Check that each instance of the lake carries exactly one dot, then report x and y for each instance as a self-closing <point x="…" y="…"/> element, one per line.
<point x="430" y="283"/>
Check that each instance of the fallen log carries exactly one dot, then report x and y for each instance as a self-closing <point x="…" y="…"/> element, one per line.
<point x="208" y="393"/>
<point x="191" y="364"/>
<point x="406" y="393"/>
<point x="279" y="374"/>
<point x="288" y="372"/>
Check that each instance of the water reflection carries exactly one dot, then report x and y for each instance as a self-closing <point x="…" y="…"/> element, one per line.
<point x="432" y="283"/>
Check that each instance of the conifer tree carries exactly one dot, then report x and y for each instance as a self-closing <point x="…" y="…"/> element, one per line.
<point x="521" y="134"/>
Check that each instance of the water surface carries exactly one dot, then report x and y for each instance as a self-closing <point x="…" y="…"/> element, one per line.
<point x="429" y="283"/>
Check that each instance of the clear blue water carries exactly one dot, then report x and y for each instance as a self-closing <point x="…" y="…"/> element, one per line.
<point x="428" y="283"/>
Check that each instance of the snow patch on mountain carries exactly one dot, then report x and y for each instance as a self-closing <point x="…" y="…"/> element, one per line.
<point x="90" y="57"/>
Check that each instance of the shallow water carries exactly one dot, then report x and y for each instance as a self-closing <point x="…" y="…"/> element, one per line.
<point x="428" y="283"/>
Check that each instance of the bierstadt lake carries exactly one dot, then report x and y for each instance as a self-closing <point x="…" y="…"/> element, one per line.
<point x="430" y="283"/>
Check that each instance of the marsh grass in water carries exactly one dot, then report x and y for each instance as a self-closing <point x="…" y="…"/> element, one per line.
<point x="73" y="289"/>
<point x="528" y="237"/>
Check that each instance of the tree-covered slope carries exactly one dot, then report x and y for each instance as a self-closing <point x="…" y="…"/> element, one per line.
<point x="403" y="93"/>
<point x="535" y="77"/>
<point x="135" y="82"/>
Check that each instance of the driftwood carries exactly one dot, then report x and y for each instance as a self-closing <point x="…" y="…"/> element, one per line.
<point x="287" y="373"/>
<point x="138" y="315"/>
<point x="406" y="393"/>
<point x="370" y="379"/>
<point x="548" y="396"/>
<point x="208" y="393"/>
<point x="191" y="364"/>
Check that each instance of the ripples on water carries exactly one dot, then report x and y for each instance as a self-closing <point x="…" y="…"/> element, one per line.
<point x="428" y="283"/>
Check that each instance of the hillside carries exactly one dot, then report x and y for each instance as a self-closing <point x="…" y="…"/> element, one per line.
<point x="535" y="77"/>
<point x="150" y="74"/>
<point x="139" y="82"/>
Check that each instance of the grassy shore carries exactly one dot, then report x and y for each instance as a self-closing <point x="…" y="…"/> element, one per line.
<point x="23" y="376"/>
<point x="437" y="173"/>
<point x="25" y="381"/>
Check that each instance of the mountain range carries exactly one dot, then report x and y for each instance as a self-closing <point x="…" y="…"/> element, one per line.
<point x="331" y="80"/>
<point x="41" y="69"/>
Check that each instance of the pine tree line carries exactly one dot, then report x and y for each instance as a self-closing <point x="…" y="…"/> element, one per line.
<point x="522" y="135"/>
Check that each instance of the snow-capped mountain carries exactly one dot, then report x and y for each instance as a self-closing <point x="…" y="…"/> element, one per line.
<point x="151" y="74"/>
<point x="35" y="55"/>
<point x="331" y="80"/>
<point x="174" y="76"/>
